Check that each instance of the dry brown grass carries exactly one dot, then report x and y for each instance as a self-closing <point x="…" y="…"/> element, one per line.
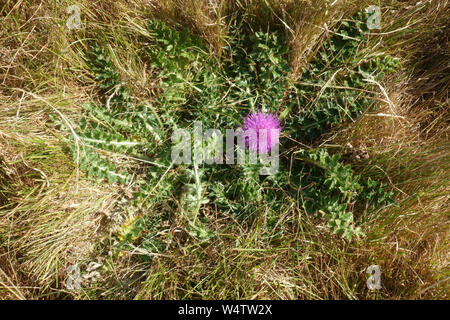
<point x="410" y="151"/>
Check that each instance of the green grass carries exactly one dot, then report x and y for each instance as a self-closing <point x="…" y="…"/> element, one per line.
<point x="85" y="143"/>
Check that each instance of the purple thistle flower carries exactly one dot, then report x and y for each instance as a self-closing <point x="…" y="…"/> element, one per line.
<point x="255" y="122"/>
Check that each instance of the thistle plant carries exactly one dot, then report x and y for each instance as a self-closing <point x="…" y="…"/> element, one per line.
<point x="263" y="124"/>
<point x="197" y="87"/>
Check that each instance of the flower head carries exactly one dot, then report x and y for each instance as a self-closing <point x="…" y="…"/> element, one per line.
<point x="255" y="124"/>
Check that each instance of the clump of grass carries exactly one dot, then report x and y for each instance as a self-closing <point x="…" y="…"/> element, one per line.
<point x="42" y="243"/>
